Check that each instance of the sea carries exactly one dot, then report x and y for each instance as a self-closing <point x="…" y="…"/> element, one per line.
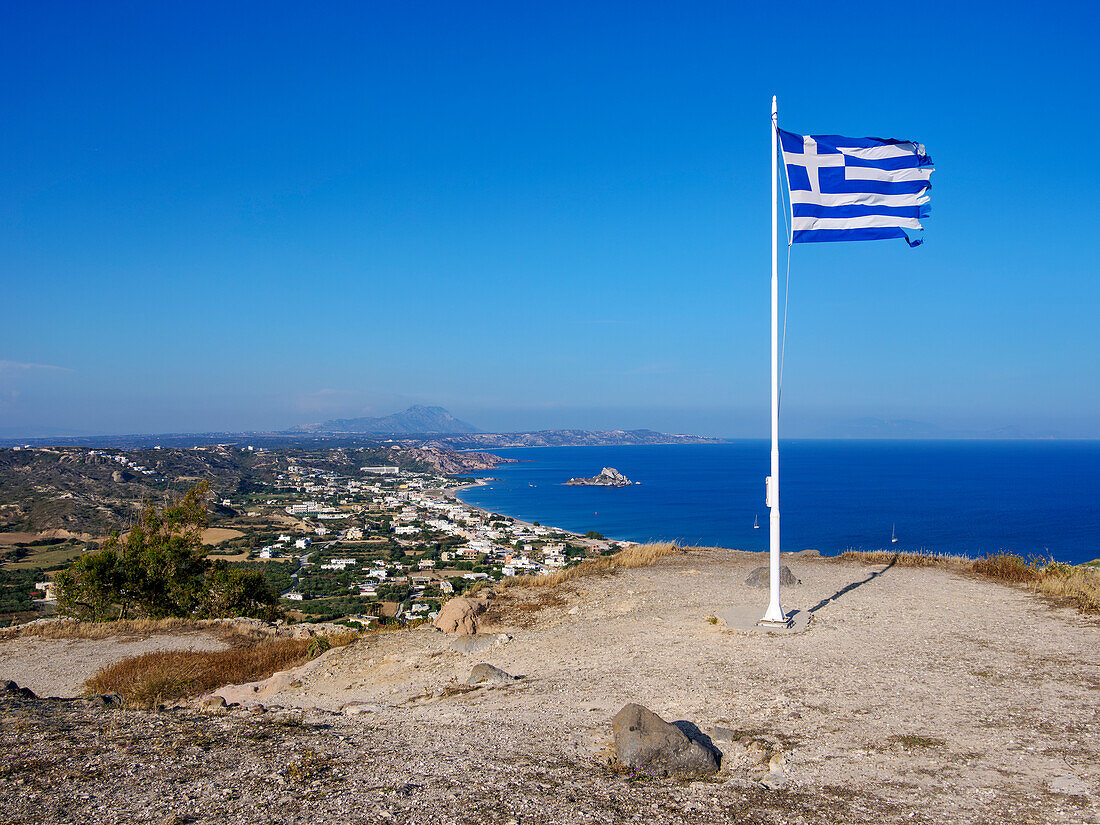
<point x="973" y="498"/>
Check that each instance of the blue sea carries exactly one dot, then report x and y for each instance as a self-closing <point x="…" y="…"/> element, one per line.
<point x="965" y="497"/>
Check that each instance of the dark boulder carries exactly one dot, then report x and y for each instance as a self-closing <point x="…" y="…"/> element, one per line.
<point x="647" y="743"/>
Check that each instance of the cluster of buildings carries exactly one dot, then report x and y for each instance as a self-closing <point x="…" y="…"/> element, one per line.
<point x="403" y="533"/>
<point x="124" y="461"/>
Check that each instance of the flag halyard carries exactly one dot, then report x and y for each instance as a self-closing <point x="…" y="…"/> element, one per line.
<point x="855" y="189"/>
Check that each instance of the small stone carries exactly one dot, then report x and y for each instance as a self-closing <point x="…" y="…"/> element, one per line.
<point x="358" y="709"/>
<point x="486" y="674"/>
<point x="761" y="577"/>
<point x="106" y="700"/>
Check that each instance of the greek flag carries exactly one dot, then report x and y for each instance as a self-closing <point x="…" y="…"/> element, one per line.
<point x="855" y="189"/>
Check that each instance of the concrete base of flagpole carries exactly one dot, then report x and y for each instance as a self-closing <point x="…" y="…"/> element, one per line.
<point x="747" y="620"/>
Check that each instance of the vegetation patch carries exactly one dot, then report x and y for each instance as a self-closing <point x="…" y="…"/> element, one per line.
<point x="165" y="676"/>
<point x="75" y="629"/>
<point x="639" y="555"/>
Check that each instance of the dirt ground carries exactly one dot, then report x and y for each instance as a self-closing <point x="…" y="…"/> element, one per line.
<point x="916" y="695"/>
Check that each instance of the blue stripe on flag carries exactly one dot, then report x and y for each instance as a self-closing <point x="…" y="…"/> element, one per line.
<point x="877" y="233"/>
<point x="887" y="164"/>
<point x="857" y="143"/>
<point x="813" y="210"/>
<point x="833" y="182"/>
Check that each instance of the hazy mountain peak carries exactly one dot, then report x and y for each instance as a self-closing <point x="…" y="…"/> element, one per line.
<point x="416" y="420"/>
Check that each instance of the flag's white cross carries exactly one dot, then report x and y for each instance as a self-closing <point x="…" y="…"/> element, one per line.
<point x="814" y="162"/>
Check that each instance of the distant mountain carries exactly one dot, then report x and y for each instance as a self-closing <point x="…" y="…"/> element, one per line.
<point x="416" y="420"/>
<point x="571" y="438"/>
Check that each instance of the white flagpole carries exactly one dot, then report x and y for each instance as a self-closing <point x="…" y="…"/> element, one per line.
<point x="775" y="615"/>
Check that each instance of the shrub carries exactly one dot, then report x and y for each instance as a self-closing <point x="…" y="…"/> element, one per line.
<point x="160" y="570"/>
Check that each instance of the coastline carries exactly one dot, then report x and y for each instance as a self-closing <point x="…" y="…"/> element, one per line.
<point x="953" y="498"/>
<point x="452" y="493"/>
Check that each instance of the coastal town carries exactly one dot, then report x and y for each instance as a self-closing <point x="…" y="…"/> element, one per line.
<point x="384" y="544"/>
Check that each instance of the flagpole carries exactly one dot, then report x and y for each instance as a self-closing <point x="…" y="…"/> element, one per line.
<point x="775" y="616"/>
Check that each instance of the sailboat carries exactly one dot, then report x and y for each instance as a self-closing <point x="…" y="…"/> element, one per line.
<point x="756" y="522"/>
<point x="893" y="534"/>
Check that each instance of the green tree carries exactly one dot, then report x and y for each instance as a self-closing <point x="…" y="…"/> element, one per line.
<point x="160" y="570"/>
<point x="233" y="591"/>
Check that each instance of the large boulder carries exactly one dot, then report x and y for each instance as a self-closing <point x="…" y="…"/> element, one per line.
<point x="647" y="743"/>
<point x="761" y="577"/>
<point x="459" y="615"/>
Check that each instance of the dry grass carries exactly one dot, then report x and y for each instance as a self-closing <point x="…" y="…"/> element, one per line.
<point x="943" y="560"/>
<point x="640" y="555"/>
<point x="164" y="676"/>
<point x="1008" y="568"/>
<point x="1078" y="585"/>
<point x="74" y="629"/>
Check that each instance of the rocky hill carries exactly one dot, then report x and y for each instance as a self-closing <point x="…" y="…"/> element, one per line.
<point x="916" y="695"/>
<point x="96" y="491"/>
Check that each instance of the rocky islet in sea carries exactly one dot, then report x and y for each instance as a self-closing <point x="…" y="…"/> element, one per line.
<point x="608" y="477"/>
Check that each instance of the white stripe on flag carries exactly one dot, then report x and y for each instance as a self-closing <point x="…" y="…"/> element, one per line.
<point x="859" y="199"/>
<point x="896" y="175"/>
<point x="890" y="150"/>
<point x="868" y="222"/>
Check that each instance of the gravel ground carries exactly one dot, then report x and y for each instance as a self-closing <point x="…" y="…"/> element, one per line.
<point x="915" y="696"/>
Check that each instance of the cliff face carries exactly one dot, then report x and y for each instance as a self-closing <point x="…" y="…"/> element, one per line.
<point x="450" y="462"/>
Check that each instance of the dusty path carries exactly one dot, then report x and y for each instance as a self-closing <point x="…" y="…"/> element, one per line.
<point x="929" y="690"/>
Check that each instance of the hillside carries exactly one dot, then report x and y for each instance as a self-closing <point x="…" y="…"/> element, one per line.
<point x="916" y="695"/>
<point x="95" y="491"/>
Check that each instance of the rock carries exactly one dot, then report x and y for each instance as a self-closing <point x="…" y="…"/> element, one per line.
<point x="608" y="477"/>
<point x="486" y="674"/>
<point x="474" y="645"/>
<point x="8" y="686"/>
<point x="459" y="615"/>
<point x="647" y="743"/>
<point x="106" y="700"/>
<point x="761" y="577"/>
<point x="211" y="703"/>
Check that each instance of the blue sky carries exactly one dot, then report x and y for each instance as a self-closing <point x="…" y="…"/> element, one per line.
<point x="250" y="216"/>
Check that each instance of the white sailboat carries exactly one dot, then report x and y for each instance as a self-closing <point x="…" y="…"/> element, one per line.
<point x="893" y="534"/>
<point x="756" y="522"/>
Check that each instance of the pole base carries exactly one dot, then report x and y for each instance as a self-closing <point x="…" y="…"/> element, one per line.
<point x="773" y="623"/>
